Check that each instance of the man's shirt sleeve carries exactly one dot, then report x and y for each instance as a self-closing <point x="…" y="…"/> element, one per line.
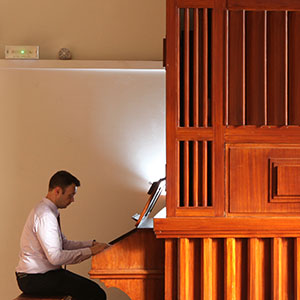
<point x="51" y="240"/>
<point x="72" y="245"/>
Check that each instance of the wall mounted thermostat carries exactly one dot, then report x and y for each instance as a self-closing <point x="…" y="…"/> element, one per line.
<point x="22" y="52"/>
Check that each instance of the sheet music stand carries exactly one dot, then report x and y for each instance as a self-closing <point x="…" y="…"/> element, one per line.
<point x="142" y="220"/>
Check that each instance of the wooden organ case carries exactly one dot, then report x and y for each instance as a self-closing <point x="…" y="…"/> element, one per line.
<point x="135" y="261"/>
<point x="232" y="229"/>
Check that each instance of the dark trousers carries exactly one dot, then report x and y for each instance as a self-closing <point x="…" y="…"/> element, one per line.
<point x="60" y="282"/>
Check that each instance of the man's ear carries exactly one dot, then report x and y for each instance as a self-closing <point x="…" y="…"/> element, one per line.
<point x="57" y="191"/>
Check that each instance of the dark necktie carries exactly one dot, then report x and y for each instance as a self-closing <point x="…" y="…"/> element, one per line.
<point x="62" y="240"/>
<point x="58" y="220"/>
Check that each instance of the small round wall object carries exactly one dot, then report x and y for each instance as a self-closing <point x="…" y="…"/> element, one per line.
<point x="64" y="54"/>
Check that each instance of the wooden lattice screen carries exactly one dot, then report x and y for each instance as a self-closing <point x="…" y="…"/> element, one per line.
<point x="233" y="76"/>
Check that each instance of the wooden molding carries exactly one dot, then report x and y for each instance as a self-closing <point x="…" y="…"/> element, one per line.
<point x="267" y="134"/>
<point x="263" y="4"/>
<point x="225" y="227"/>
<point x="283" y="180"/>
<point x="195" y="3"/>
<point x="126" y="274"/>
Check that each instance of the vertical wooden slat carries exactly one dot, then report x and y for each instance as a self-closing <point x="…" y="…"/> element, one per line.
<point x="178" y="171"/>
<point x="172" y="104"/>
<point x="235" y="68"/>
<point x="196" y="174"/>
<point x="186" y="174"/>
<point x="276" y="68"/>
<point x="184" y="272"/>
<point x="205" y="67"/>
<point x="266" y="68"/>
<point x="287" y="268"/>
<point x="186" y="67"/>
<point x="297" y="268"/>
<point x="218" y="156"/>
<point x="196" y="68"/>
<point x="227" y="69"/>
<point x="294" y="68"/>
<point x="170" y="269"/>
<point x="204" y="173"/>
<point x="255" y="68"/>
<point x="176" y="62"/>
<point x="277" y="269"/>
<point x="254" y="270"/>
<point x="230" y="270"/>
<point x="207" y="269"/>
<point x="205" y="102"/>
<point x="244" y="68"/>
<point x="286" y="71"/>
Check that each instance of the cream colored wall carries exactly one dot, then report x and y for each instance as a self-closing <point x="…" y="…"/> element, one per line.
<point x="70" y="120"/>
<point x="92" y="29"/>
<point x="105" y="126"/>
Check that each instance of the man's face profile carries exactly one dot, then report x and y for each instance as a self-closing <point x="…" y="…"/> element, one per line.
<point x="65" y="197"/>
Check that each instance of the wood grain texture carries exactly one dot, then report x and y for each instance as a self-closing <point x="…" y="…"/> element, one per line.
<point x="294" y="68"/>
<point x="297" y="268"/>
<point x="205" y="67"/>
<point x="207" y="269"/>
<point x="218" y="156"/>
<point x="186" y="64"/>
<point x="276" y="68"/>
<point x="170" y="269"/>
<point x="259" y="167"/>
<point x="222" y="268"/>
<point x="172" y="114"/>
<point x="236" y="66"/>
<point x="135" y="264"/>
<point x="195" y="3"/>
<point x="255" y="85"/>
<point x="237" y="226"/>
<point x="230" y="270"/>
<point x="271" y="134"/>
<point x="277" y="265"/>
<point x="264" y="4"/>
<point x="184" y="269"/>
<point x="254" y="270"/>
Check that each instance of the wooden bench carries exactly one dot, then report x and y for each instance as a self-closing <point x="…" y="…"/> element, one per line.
<point x="31" y="297"/>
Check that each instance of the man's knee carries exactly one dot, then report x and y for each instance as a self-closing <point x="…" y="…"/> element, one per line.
<point x="97" y="291"/>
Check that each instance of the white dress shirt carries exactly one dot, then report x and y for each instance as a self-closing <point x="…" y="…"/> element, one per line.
<point x="43" y="246"/>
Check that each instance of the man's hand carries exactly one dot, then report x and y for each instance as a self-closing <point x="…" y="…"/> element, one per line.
<point x="98" y="247"/>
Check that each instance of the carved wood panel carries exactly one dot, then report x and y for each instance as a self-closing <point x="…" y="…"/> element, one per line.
<point x="263" y="178"/>
<point x="284" y="176"/>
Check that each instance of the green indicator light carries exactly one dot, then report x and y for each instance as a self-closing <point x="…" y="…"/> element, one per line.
<point x="22" y="51"/>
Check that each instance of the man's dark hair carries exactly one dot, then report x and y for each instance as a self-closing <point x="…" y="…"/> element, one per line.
<point x="62" y="179"/>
